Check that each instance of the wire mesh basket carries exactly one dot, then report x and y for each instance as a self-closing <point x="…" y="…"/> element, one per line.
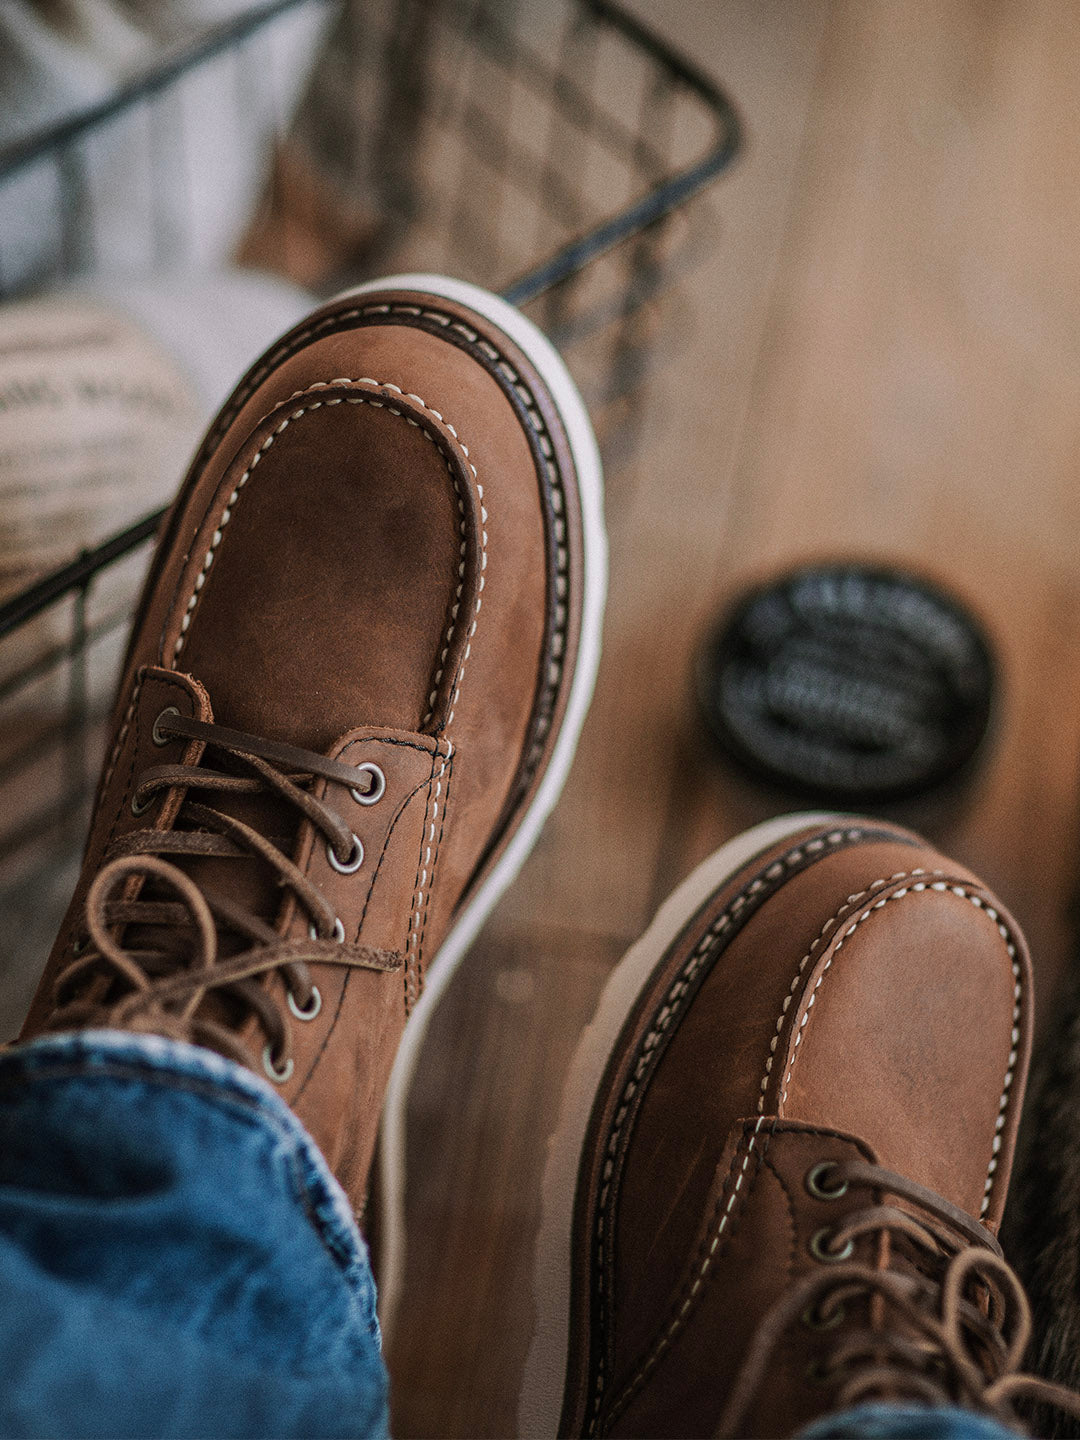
<point x="548" y="151"/>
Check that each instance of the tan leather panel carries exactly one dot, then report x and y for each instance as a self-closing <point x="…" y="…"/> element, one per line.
<point x="679" y="1388"/>
<point x="905" y="1037"/>
<point x="849" y="991"/>
<point x="334" y="576"/>
<point x="377" y="553"/>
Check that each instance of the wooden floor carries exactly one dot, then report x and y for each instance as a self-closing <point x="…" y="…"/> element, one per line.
<point x="885" y="362"/>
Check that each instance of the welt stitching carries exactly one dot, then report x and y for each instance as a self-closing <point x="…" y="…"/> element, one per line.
<point x="552" y="678"/>
<point x="674" y="1001"/>
<point x="677" y="991"/>
<point x="631" y="1388"/>
<point x="226" y="514"/>
<point x="964" y="893"/>
<point x="851" y="903"/>
<point x="710" y="1248"/>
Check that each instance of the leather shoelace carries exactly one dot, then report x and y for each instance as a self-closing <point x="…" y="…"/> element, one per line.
<point x="946" y="1322"/>
<point x="158" y="984"/>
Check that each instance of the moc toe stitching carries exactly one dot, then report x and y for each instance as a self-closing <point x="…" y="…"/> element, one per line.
<point x="980" y="901"/>
<point x="453" y="462"/>
<point x="537" y="434"/>
<point x="665" y="997"/>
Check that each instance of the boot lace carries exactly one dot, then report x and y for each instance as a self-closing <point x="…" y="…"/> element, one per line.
<point x="942" y="1321"/>
<point x="155" y="944"/>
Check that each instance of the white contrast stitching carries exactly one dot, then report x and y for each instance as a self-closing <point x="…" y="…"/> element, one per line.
<point x="129" y="715"/>
<point x="664" y="1017"/>
<point x="963" y="893"/>
<point x="425" y="870"/>
<point x="364" y="399"/>
<point x="649" y="1051"/>
<point x="553" y="677"/>
<point x="830" y="924"/>
<point x="680" y="1317"/>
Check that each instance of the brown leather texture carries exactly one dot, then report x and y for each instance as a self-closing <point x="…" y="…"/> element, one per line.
<point x="849" y="992"/>
<point x="377" y="556"/>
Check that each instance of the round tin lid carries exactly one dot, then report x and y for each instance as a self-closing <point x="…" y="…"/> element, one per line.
<point x="848" y="681"/>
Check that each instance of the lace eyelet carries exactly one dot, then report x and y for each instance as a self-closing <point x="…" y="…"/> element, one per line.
<point x="278" y="1076"/>
<point x="820" y="1191"/>
<point x="819" y="1247"/>
<point x="79" y="945"/>
<point x="378" y="789"/>
<point x="813" y="1319"/>
<point x="313" y="1007"/>
<point x="338" y="935"/>
<point x="155" y="733"/>
<point x="353" y="863"/>
<point x="141" y="809"/>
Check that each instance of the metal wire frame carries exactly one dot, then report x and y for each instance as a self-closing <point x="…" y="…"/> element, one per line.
<point x="666" y="195"/>
<point x="559" y="285"/>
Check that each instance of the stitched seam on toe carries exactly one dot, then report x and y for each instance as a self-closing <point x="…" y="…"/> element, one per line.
<point x="553" y="675"/>
<point x="851" y="903"/>
<point x="670" y="1010"/>
<point x="965" y="893"/>
<point x="385" y="385"/>
<point x="377" y="403"/>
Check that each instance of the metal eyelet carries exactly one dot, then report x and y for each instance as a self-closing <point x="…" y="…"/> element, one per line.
<point x="79" y="945"/>
<point x="353" y="863"/>
<point x="155" y="733"/>
<point x="313" y="1007"/>
<point x="279" y="1077"/>
<point x="813" y="1182"/>
<point x="813" y="1319"/>
<point x="141" y="809"/>
<point x="378" y="789"/>
<point x="338" y="935"/>
<point x="819" y="1247"/>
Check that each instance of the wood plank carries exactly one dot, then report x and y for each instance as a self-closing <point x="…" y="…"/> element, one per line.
<point x="921" y="398"/>
<point x="883" y="363"/>
<point x="491" y="1076"/>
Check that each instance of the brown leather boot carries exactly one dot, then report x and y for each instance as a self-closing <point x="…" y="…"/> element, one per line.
<point x="784" y="1150"/>
<point x="355" y="684"/>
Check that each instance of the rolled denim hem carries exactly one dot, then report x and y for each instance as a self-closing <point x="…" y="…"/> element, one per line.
<point x="153" y="1059"/>
<point x="176" y="1257"/>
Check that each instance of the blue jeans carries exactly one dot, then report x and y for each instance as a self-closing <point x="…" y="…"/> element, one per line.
<point x="177" y="1260"/>
<point x="175" y="1256"/>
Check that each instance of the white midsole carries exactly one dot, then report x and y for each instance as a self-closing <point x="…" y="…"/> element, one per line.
<point x="543" y="1383"/>
<point x="552" y="369"/>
